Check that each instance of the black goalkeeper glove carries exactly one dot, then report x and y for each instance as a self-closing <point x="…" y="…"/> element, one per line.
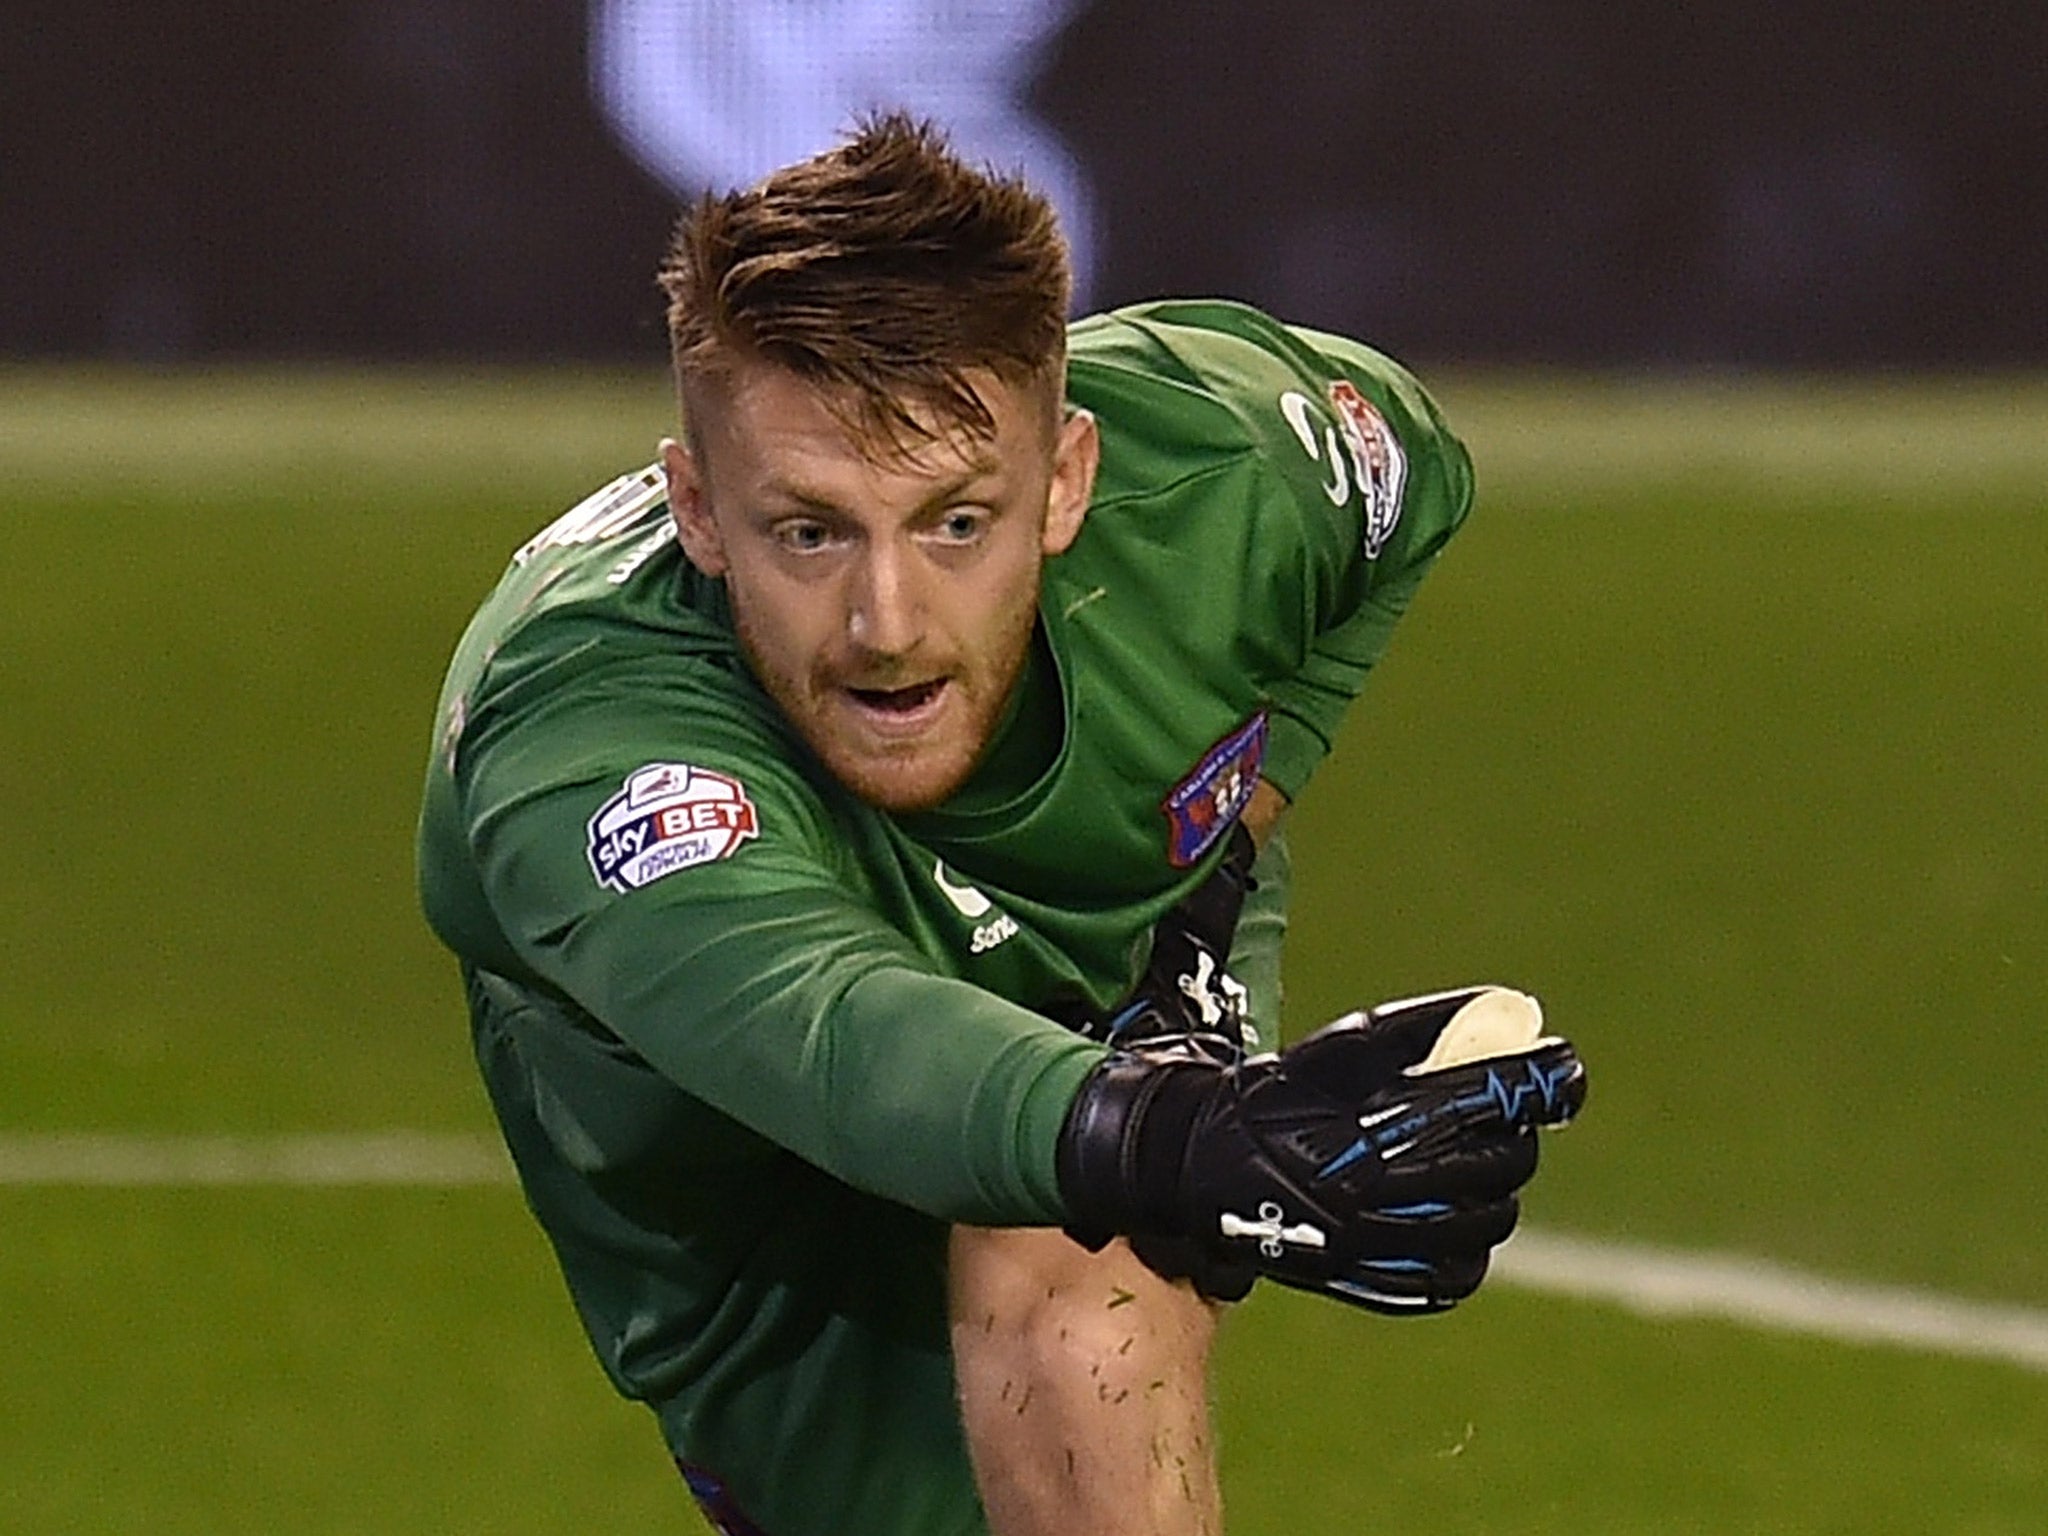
<point x="1187" y="1004"/>
<point x="1188" y="1007"/>
<point x="1376" y="1161"/>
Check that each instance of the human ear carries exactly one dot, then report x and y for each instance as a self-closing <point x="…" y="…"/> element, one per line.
<point x="695" y="529"/>
<point x="1076" y="454"/>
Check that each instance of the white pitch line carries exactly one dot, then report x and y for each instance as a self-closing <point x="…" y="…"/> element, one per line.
<point x="1662" y="1282"/>
<point x="1653" y="1282"/>
<point x="82" y="1159"/>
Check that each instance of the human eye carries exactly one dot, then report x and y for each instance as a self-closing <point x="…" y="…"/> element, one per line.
<point x="961" y="525"/>
<point x="800" y="535"/>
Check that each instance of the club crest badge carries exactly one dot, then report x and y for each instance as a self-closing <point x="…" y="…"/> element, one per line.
<point x="1377" y="460"/>
<point x="666" y="817"/>
<point x="1202" y="806"/>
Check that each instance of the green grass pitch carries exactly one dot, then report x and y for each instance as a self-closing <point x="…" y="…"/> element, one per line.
<point x="1720" y="728"/>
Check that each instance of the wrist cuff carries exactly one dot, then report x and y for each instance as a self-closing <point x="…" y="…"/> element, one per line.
<point x="1121" y="1147"/>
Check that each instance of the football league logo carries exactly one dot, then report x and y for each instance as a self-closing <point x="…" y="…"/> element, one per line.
<point x="1376" y="457"/>
<point x="666" y="817"/>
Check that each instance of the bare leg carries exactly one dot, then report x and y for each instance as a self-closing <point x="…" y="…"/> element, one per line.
<point x="1083" y="1381"/>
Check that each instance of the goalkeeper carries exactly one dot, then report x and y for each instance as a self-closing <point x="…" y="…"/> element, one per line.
<point x="846" y="828"/>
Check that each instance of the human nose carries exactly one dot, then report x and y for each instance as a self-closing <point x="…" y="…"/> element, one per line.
<point x="884" y="613"/>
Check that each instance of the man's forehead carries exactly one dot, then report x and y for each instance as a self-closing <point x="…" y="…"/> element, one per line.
<point x="756" y="397"/>
<point x="817" y="482"/>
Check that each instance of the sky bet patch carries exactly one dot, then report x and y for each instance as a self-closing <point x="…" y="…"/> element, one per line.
<point x="668" y="816"/>
<point x="1201" y="807"/>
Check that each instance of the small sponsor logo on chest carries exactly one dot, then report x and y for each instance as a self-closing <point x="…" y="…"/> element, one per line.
<point x="974" y="906"/>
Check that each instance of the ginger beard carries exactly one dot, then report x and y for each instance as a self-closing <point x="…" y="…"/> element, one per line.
<point x="902" y="733"/>
<point x="883" y="598"/>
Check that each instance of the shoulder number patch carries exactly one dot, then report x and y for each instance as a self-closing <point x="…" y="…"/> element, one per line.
<point x="1201" y="807"/>
<point x="666" y="817"/>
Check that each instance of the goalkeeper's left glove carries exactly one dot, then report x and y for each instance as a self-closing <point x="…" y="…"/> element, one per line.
<point x="1376" y="1161"/>
<point x="1187" y="1004"/>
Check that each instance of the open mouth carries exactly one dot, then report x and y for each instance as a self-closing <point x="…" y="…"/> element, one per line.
<point x="898" y="702"/>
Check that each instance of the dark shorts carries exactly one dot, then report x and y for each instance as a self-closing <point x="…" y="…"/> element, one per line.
<point x="709" y="1492"/>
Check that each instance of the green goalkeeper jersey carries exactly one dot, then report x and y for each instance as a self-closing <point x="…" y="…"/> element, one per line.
<point x="754" y="1044"/>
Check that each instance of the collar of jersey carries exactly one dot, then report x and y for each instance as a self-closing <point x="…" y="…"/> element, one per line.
<point x="994" y="797"/>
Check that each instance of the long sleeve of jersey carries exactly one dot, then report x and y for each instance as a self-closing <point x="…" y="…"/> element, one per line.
<point x="1347" y="479"/>
<point x="1428" y="499"/>
<point x="758" y="983"/>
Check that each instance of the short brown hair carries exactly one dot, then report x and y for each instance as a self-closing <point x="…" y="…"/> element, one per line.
<point x="884" y="270"/>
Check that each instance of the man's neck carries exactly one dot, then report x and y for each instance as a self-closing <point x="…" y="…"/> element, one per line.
<point x="1026" y="740"/>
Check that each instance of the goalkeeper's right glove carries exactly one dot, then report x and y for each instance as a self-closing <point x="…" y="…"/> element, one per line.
<point x="1375" y="1161"/>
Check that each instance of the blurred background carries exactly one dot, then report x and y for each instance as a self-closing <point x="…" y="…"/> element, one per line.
<point x="1744" y="183"/>
<point x="1720" y="726"/>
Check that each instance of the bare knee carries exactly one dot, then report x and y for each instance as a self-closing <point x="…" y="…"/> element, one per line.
<point x="1038" y="1290"/>
<point x="1083" y="1387"/>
